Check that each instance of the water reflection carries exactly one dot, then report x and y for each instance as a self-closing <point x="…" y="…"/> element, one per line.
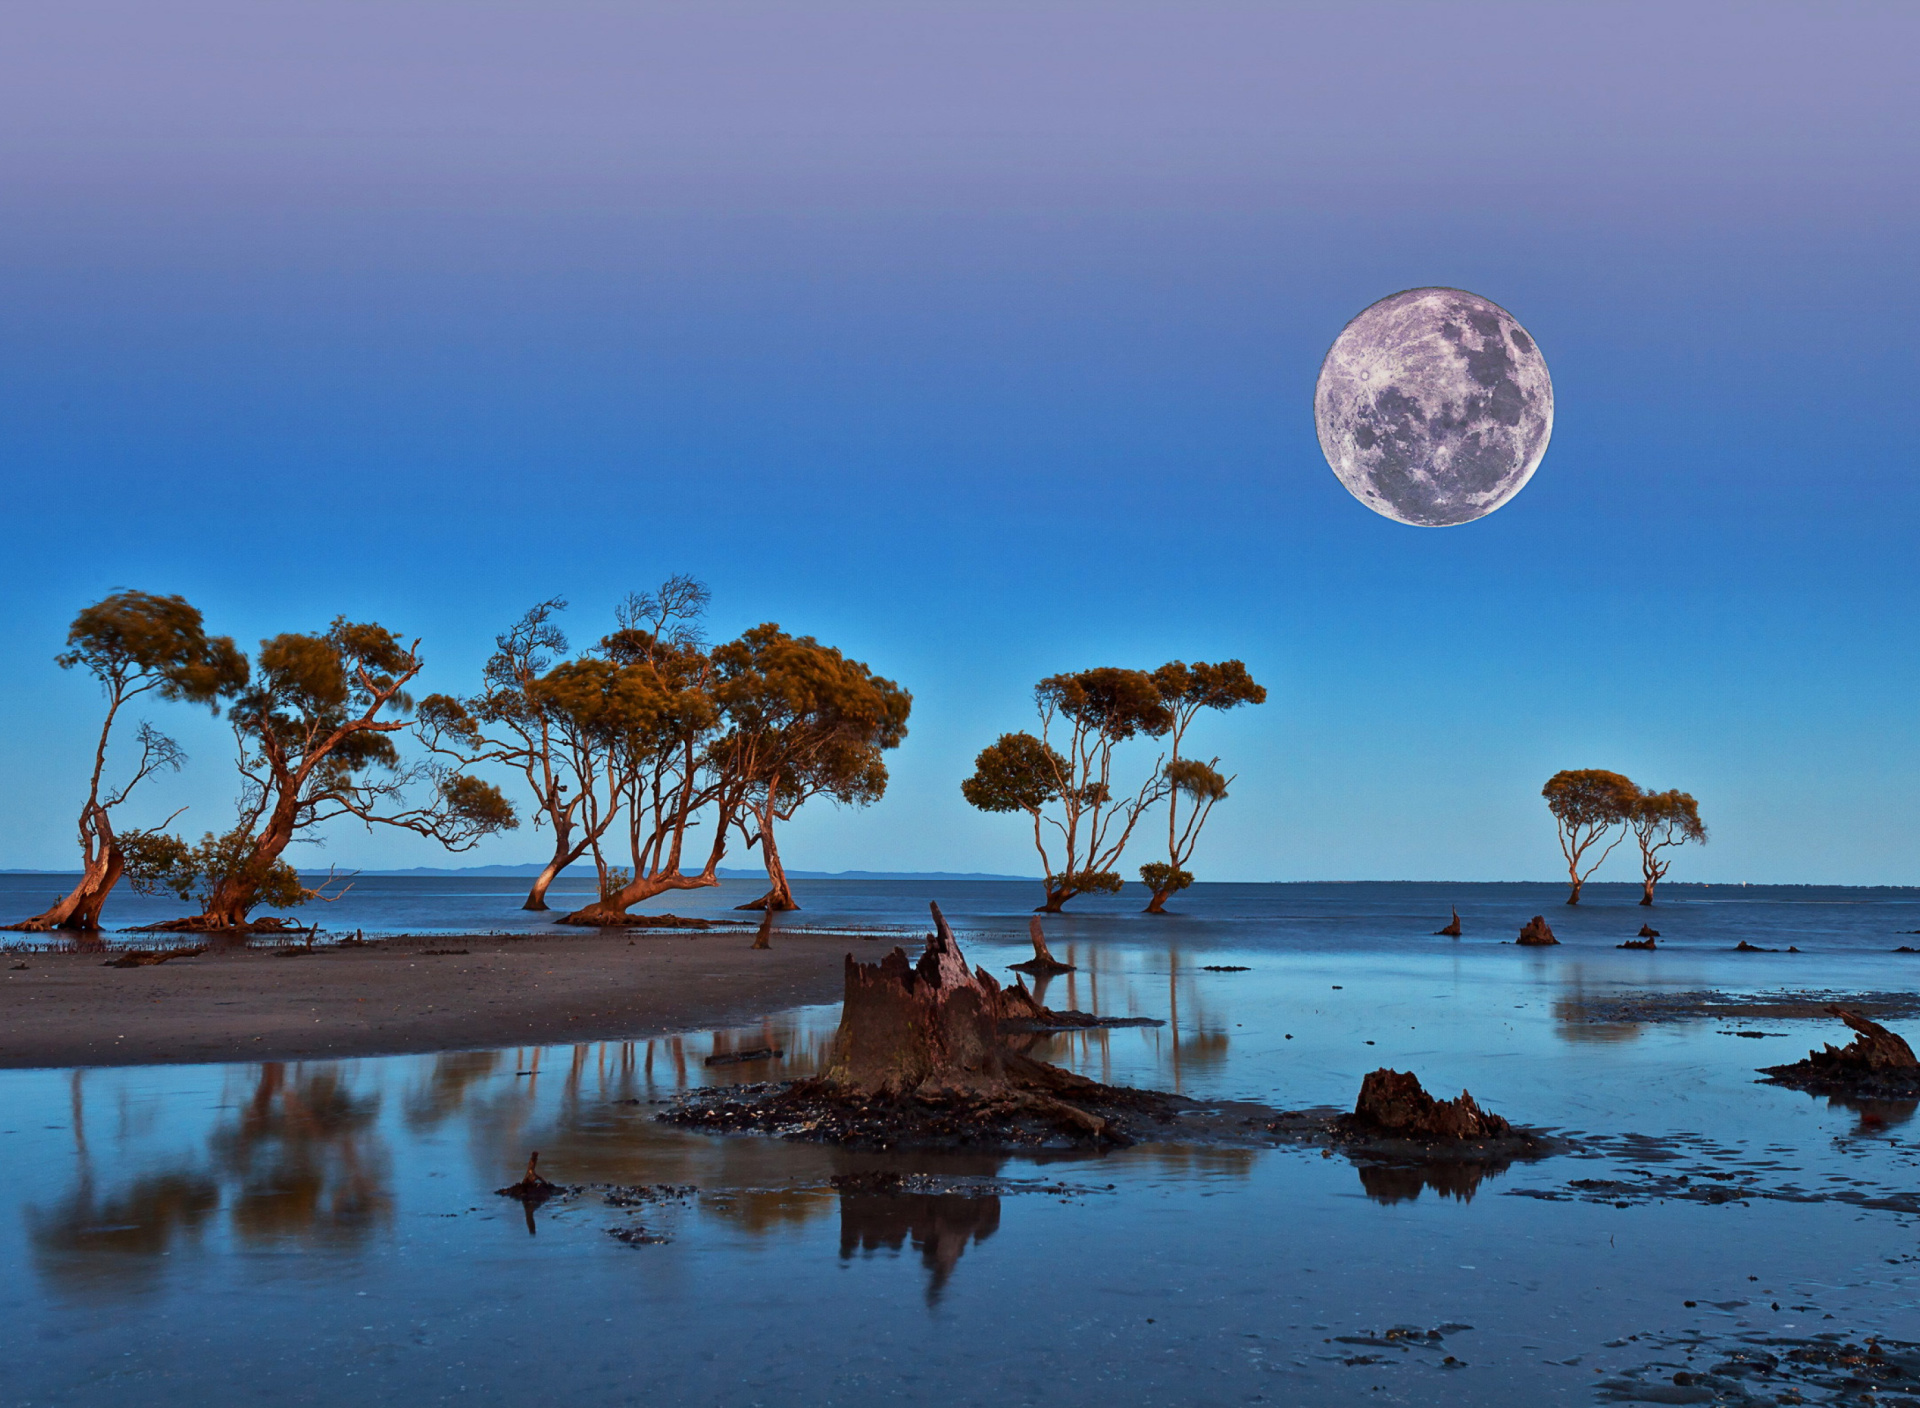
<point x="305" y="1153"/>
<point x="941" y="1227"/>
<point x="103" y="1245"/>
<point x="1403" y="1183"/>
<point x="303" y="1158"/>
<point x="1877" y="1116"/>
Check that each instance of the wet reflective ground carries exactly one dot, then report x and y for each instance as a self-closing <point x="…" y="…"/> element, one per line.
<point x="326" y="1232"/>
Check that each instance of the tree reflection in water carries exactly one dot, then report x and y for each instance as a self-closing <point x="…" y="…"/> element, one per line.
<point x="304" y="1158"/>
<point x="941" y="1226"/>
<point x="1402" y="1183"/>
<point x="103" y="1245"/>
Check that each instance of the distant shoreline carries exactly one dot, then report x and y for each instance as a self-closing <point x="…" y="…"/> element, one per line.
<point x="514" y="872"/>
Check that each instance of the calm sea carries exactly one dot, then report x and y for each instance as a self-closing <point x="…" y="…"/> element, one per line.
<point x="325" y="1232"/>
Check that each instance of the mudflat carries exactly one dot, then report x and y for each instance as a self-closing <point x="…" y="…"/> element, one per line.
<point x="397" y="996"/>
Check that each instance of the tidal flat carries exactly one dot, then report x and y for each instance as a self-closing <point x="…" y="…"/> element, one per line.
<point x="327" y="1231"/>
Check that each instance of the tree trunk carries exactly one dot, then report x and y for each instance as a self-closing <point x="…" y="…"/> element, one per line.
<point x="764" y="939"/>
<point x="779" y="893"/>
<point x="1574" y="898"/>
<point x="234" y="896"/>
<point x="1158" y="904"/>
<point x="1646" y="892"/>
<point x="80" y="910"/>
<point x="612" y="910"/>
<point x="563" y="856"/>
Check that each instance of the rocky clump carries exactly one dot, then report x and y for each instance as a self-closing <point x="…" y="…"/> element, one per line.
<point x="1393" y="1102"/>
<point x="1875" y="1062"/>
<point x="1536" y="934"/>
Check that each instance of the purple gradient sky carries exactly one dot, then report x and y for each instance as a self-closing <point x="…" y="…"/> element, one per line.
<point x="979" y="339"/>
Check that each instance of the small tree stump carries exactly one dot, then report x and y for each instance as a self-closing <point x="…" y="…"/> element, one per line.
<point x="1452" y="931"/>
<point x="1042" y="963"/>
<point x="1395" y="1102"/>
<point x="1536" y="934"/>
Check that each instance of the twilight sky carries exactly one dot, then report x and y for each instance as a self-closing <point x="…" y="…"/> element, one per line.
<point x="980" y="340"/>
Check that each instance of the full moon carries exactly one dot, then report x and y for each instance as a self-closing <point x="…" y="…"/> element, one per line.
<point x="1434" y="407"/>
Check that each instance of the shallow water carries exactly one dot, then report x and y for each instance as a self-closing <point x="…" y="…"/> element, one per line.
<point x="325" y="1232"/>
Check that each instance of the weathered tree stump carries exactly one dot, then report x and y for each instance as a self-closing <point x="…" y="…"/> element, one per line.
<point x="1394" y="1102"/>
<point x="1536" y="934"/>
<point x="764" y="939"/>
<point x="1452" y="931"/>
<point x="1042" y="963"/>
<point x="1875" y="1062"/>
<point x="1647" y="931"/>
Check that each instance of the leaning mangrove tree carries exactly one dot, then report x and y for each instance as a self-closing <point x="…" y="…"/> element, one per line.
<point x="521" y="722"/>
<point x="133" y="643"/>
<point x="315" y="729"/>
<point x="803" y="721"/>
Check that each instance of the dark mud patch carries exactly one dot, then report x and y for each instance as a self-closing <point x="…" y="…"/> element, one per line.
<point x="740" y="1058"/>
<point x="1691" y="1168"/>
<point x="813" y="1111"/>
<point x="1816" y="1080"/>
<point x="1751" y="1370"/>
<point x="626" y="1196"/>
<point x="1619" y="1008"/>
<point x="1384" y="1346"/>
<point x="1071" y="1020"/>
<point x="889" y="1183"/>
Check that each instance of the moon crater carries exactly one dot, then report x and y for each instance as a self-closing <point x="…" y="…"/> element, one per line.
<point x="1434" y="407"/>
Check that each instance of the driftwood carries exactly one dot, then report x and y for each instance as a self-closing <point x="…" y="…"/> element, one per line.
<point x="1452" y="931"/>
<point x="143" y="958"/>
<point x="1393" y="1102"/>
<point x="1536" y="934"/>
<point x="1875" y="1062"/>
<point x="1042" y="963"/>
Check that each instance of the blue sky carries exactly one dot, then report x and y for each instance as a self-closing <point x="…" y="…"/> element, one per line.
<point x="980" y="340"/>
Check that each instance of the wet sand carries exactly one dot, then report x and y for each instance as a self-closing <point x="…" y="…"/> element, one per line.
<point x="401" y="996"/>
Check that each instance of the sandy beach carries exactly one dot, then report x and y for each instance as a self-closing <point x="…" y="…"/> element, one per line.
<point x="402" y="995"/>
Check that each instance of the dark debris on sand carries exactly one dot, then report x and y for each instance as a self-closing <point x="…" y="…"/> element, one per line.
<point x="1756" y="1370"/>
<point x="819" y="1112"/>
<point x="1685" y="1006"/>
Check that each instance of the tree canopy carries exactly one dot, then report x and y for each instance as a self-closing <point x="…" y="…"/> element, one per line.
<point x="1587" y="804"/>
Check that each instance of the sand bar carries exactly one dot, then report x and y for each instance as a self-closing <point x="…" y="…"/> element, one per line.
<point x="403" y="995"/>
